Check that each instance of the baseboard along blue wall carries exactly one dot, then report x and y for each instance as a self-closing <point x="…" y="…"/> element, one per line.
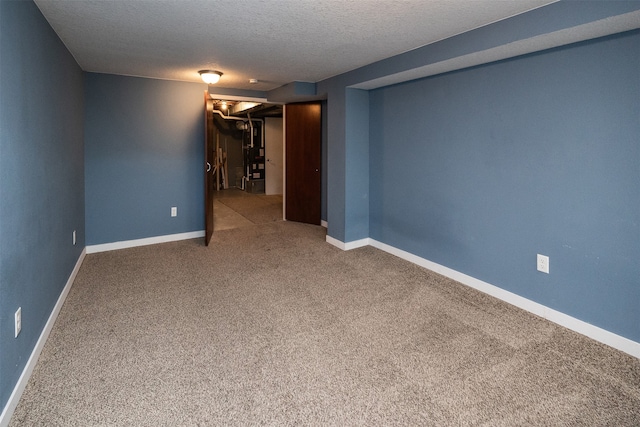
<point x="41" y="179"/>
<point x="357" y="161"/>
<point x="144" y="153"/>
<point x="479" y="170"/>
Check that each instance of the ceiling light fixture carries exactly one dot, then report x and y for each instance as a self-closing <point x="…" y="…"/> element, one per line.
<point x="253" y="81"/>
<point x="210" y="77"/>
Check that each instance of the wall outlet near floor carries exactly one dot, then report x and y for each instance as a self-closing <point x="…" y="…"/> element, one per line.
<point x="543" y="263"/>
<point x="18" y="321"/>
<point x="74" y="237"/>
<point x="174" y="211"/>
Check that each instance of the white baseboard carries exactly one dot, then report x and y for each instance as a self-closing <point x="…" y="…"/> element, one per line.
<point x="357" y="244"/>
<point x="335" y="242"/>
<point x="349" y="245"/>
<point x="92" y="249"/>
<point x="601" y="335"/>
<point x="7" y="412"/>
<point x="324" y="223"/>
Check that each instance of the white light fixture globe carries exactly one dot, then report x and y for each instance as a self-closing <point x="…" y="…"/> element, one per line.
<point x="210" y="77"/>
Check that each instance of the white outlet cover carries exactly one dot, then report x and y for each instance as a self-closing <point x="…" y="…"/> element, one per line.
<point x="543" y="263"/>
<point x="18" y="321"/>
<point x="174" y="211"/>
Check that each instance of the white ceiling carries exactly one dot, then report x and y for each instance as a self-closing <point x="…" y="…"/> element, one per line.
<point x="276" y="42"/>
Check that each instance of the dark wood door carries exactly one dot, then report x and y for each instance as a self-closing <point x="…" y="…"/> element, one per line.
<point x="208" y="168"/>
<point x="303" y="161"/>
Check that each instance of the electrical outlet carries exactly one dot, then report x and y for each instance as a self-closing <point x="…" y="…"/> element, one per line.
<point x="74" y="237"/>
<point x="174" y="211"/>
<point x="543" y="263"/>
<point x="18" y="321"/>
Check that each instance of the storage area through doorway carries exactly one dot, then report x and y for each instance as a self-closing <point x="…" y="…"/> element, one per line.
<point x="247" y="167"/>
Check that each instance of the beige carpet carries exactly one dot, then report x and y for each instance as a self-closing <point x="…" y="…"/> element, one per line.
<point x="270" y="325"/>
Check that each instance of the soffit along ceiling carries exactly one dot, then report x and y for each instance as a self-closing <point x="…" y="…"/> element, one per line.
<point x="276" y="42"/>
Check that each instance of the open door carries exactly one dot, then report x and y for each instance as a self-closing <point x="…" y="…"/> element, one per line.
<point x="303" y="157"/>
<point x="208" y="168"/>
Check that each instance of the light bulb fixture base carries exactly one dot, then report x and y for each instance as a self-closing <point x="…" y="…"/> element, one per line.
<point x="210" y="77"/>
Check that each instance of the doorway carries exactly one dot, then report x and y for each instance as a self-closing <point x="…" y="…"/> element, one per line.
<point x="248" y="165"/>
<point x="251" y="193"/>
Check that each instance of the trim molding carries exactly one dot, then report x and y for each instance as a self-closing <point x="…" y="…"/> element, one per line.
<point x="92" y="249"/>
<point x="594" y="332"/>
<point x="335" y="242"/>
<point x="324" y="223"/>
<point x="349" y="245"/>
<point x="12" y="403"/>
<point x="355" y="244"/>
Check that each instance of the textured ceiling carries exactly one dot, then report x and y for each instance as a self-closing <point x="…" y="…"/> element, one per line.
<point x="276" y="41"/>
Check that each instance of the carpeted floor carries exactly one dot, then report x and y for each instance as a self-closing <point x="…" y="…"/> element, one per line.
<point x="270" y="325"/>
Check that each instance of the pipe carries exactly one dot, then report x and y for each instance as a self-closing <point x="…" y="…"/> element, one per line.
<point x="251" y="126"/>
<point x="244" y="119"/>
<point x="250" y="120"/>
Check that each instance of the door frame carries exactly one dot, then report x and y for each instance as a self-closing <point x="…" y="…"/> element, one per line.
<point x="208" y="170"/>
<point x="213" y="95"/>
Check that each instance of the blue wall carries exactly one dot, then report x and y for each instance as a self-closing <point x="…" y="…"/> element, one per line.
<point x="479" y="170"/>
<point x="144" y="153"/>
<point x="336" y="167"/>
<point x="41" y="179"/>
<point x="555" y="17"/>
<point x="357" y="161"/>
